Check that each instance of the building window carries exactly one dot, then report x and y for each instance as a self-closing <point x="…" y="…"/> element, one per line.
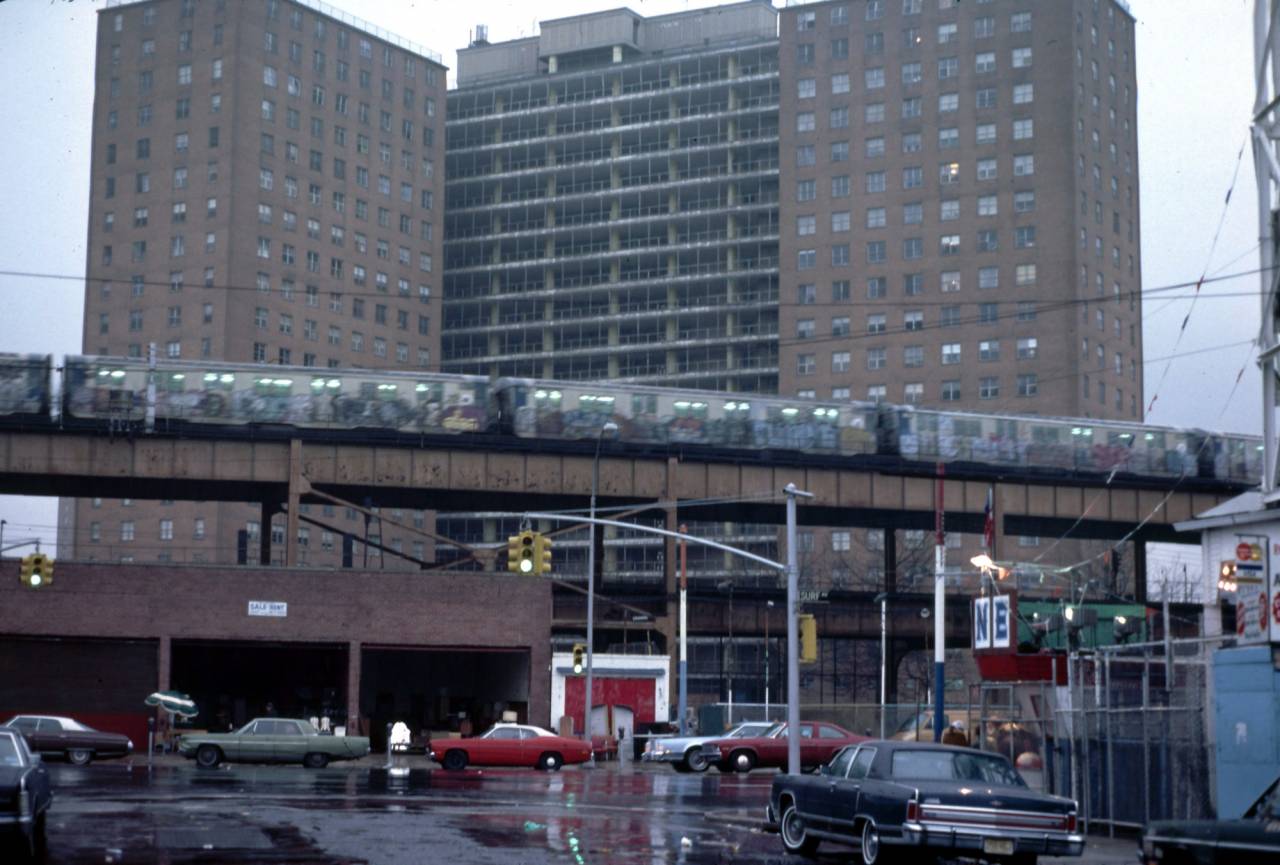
<point x="950" y="391"/>
<point x="1028" y="348"/>
<point x="1028" y="385"/>
<point x="950" y="353"/>
<point x="805" y="364"/>
<point x="876" y="358"/>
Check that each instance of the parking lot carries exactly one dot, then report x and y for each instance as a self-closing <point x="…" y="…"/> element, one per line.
<point x="122" y="812"/>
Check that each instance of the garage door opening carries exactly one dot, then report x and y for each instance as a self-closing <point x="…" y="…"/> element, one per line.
<point x="442" y="691"/>
<point x="99" y="682"/>
<point x="235" y="682"/>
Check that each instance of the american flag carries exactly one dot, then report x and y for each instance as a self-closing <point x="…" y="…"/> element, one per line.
<point x="989" y="525"/>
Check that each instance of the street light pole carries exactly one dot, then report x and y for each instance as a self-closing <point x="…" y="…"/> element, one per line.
<point x="767" y="607"/>
<point x="793" y="637"/>
<point x="608" y="426"/>
<point x="684" y="633"/>
<point x="939" y="613"/>
<point x="883" y="598"/>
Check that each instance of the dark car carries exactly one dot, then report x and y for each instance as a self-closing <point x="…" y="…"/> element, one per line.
<point x="1253" y="838"/>
<point x="888" y="797"/>
<point x="67" y="737"/>
<point x="24" y="796"/>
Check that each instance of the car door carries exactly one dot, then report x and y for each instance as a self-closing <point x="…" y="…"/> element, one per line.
<point x="823" y="805"/>
<point x="504" y="747"/>
<point x="50" y="735"/>
<point x="257" y="744"/>
<point x="846" y="797"/>
<point x="288" y="743"/>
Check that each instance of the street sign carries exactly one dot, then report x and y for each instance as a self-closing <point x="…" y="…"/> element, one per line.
<point x="993" y="622"/>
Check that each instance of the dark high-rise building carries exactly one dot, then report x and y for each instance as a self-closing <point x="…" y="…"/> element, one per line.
<point x="611" y="202"/>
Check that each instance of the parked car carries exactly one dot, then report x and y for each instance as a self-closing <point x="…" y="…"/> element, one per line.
<point x="510" y="745"/>
<point x="819" y="742"/>
<point x="1252" y="839"/>
<point x="685" y="753"/>
<point x="272" y="740"/>
<point x="885" y="797"/>
<point x="24" y="796"/>
<point x="66" y="737"/>
<point x="646" y="733"/>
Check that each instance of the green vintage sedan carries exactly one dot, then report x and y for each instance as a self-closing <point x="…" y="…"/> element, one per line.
<point x="272" y="740"/>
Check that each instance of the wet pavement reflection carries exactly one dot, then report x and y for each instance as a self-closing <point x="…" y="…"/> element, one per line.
<point x="285" y="814"/>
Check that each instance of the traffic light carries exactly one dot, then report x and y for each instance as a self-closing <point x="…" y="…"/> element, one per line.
<point x="579" y="663"/>
<point x="36" y="570"/>
<point x="542" y="554"/>
<point x="513" y="553"/>
<point x="808" y="638"/>
<point x="528" y="553"/>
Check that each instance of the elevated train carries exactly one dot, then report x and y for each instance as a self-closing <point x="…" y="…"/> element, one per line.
<point x="127" y="394"/>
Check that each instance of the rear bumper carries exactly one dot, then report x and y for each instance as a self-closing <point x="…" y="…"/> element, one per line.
<point x="950" y="837"/>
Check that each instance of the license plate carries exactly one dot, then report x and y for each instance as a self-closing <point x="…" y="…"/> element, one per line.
<point x="997" y="846"/>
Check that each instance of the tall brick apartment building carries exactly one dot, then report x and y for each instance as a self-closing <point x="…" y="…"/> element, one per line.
<point x="959" y="205"/>
<point x="266" y="185"/>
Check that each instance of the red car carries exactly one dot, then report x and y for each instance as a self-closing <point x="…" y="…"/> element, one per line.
<point x="510" y="745"/>
<point x="819" y="742"/>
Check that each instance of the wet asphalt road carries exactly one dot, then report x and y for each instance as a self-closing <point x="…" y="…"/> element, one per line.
<point x="176" y="813"/>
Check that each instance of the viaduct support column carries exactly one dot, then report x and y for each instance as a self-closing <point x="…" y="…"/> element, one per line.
<point x="295" y="490"/>
<point x="164" y="663"/>
<point x="269" y="510"/>
<point x="353" y="688"/>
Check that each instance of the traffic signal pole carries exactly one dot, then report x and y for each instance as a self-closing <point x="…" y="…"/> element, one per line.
<point x="790" y="568"/>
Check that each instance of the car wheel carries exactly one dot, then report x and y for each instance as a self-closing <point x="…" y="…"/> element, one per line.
<point x="455" y="760"/>
<point x="871" y="852"/>
<point x="550" y="762"/>
<point x="792" y="831"/>
<point x="208" y="756"/>
<point x="696" y="761"/>
<point x="315" y="761"/>
<point x="742" y="761"/>
<point x="79" y="756"/>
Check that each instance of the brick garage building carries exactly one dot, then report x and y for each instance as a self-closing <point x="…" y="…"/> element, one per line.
<point x="364" y="647"/>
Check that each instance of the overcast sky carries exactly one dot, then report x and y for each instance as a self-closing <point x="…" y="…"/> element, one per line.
<point x="1194" y="96"/>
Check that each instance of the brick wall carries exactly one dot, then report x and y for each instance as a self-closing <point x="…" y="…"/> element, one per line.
<point x="138" y="602"/>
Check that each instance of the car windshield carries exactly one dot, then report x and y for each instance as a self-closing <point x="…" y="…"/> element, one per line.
<point x="9" y="755"/>
<point x="775" y="731"/>
<point x="751" y="730"/>
<point x="934" y="765"/>
<point x="69" y="724"/>
<point x="307" y="728"/>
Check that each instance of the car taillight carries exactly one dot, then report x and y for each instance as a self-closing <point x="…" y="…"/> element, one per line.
<point x="1071" y="822"/>
<point x="913" y="811"/>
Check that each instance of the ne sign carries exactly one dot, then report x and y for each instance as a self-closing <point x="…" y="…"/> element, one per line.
<point x="992" y="628"/>
<point x="277" y="609"/>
